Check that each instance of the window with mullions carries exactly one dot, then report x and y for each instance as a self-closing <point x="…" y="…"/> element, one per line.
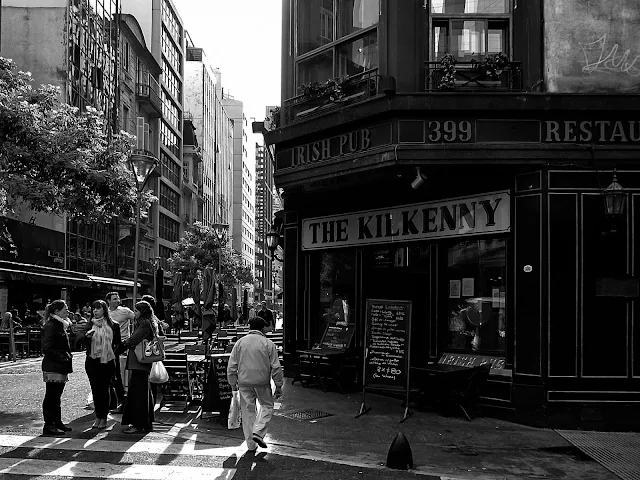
<point x="470" y="29"/>
<point x="335" y="38"/>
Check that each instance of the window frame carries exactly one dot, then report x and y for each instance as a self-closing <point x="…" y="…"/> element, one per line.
<point x="507" y="18"/>
<point x="332" y="46"/>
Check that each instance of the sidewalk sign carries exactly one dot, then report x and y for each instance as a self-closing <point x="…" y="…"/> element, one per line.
<point x="387" y="349"/>
<point x="217" y="391"/>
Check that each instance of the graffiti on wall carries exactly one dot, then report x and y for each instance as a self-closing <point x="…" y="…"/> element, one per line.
<point x="592" y="46"/>
<point x="603" y="56"/>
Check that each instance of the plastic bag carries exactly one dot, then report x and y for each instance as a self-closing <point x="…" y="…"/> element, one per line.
<point x="234" y="418"/>
<point x="158" y="373"/>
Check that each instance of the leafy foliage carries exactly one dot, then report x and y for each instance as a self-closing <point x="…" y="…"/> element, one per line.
<point x="59" y="160"/>
<point x="199" y="249"/>
<point x="448" y="67"/>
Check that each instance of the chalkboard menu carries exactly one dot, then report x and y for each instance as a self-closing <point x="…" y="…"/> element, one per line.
<point x="387" y="343"/>
<point x="337" y="336"/>
<point x="217" y="397"/>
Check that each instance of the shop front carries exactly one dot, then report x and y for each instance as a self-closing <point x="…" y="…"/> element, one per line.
<point x="495" y="230"/>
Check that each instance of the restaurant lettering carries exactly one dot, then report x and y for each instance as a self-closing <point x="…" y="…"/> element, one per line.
<point x="324" y="149"/>
<point x="465" y="216"/>
<point x="603" y="131"/>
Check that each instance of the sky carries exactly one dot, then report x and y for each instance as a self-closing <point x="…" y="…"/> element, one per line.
<point x="242" y="38"/>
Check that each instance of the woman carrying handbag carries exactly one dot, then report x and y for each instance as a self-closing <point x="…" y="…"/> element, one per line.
<point x="102" y="339"/>
<point x="138" y="407"/>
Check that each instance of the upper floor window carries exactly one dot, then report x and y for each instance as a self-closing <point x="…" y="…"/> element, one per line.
<point x="470" y="29"/>
<point x="335" y="38"/>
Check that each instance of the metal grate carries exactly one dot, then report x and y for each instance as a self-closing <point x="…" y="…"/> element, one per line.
<point x="308" y="414"/>
<point x="616" y="451"/>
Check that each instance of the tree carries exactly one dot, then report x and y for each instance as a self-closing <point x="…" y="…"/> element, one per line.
<point x="56" y="159"/>
<point x="199" y="248"/>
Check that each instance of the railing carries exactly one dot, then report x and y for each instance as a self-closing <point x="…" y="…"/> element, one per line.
<point x="471" y="76"/>
<point x="321" y="98"/>
<point x="144" y="266"/>
<point x="149" y="89"/>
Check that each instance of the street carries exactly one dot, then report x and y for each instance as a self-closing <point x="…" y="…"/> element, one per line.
<point x="171" y="451"/>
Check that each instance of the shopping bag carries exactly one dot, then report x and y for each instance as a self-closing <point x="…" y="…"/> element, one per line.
<point x="234" y="418"/>
<point x="158" y="373"/>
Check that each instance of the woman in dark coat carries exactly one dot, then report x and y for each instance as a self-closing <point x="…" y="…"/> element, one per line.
<point x="104" y="344"/>
<point x="138" y="407"/>
<point x="56" y="365"/>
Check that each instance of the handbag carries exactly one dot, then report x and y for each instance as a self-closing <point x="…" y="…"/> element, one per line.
<point x="149" y="351"/>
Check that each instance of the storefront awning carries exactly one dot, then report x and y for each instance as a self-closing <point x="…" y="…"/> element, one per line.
<point x="116" y="282"/>
<point x="23" y="272"/>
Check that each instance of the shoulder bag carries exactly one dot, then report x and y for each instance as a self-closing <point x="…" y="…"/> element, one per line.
<point x="149" y="351"/>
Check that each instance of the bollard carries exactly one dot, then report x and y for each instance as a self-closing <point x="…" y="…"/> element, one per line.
<point x="400" y="456"/>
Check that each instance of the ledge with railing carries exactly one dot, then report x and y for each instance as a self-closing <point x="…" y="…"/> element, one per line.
<point x="148" y="88"/>
<point x="472" y="76"/>
<point x="318" y="98"/>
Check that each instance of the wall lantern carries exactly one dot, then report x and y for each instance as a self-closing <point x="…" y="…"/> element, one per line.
<point x="615" y="199"/>
<point x="273" y="237"/>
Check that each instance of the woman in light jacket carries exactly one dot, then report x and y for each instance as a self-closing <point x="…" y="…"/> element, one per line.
<point x="56" y="365"/>
<point x="102" y="339"/>
<point x="138" y="407"/>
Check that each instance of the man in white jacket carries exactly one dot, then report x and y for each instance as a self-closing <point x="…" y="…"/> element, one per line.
<point x="252" y="364"/>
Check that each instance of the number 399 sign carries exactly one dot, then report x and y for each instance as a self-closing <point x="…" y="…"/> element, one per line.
<point x="449" y="131"/>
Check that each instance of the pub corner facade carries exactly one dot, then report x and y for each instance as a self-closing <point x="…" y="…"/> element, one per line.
<point x="455" y="154"/>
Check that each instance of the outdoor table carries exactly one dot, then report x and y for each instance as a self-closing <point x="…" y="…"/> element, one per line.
<point x="326" y="364"/>
<point x="441" y="380"/>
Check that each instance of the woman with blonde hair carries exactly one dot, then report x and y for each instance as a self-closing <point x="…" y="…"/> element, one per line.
<point x="103" y="343"/>
<point x="56" y="365"/>
<point x="138" y="407"/>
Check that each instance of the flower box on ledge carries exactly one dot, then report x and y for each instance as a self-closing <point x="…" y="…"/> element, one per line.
<point x="473" y="76"/>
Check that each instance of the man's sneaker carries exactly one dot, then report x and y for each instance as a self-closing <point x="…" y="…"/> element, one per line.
<point x="258" y="439"/>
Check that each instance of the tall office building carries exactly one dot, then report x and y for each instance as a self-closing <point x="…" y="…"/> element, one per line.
<point x="214" y="128"/>
<point x="243" y="231"/>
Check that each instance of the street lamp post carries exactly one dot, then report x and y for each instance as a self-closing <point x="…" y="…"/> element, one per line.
<point x="220" y="230"/>
<point x="141" y="164"/>
<point x="273" y="237"/>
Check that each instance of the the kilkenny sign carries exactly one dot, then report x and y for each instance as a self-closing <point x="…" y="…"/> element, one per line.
<point x="480" y="214"/>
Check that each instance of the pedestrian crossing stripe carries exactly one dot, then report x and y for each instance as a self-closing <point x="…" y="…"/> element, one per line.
<point x="188" y="446"/>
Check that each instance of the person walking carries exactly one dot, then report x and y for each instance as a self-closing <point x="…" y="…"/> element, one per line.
<point x="102" y="339"/>
<point x="138" y="406"/>
<point x="252" y="364"/>
<point x="123" y="316"/>
<point x="267" y="315"/>
<point x="56" y="366"/>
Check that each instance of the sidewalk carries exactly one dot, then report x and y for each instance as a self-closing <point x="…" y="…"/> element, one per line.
<point x="445" y="447"/>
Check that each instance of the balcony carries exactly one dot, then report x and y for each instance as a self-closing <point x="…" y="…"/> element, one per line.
<point x="127" y="263"/>
<point x="472" y="77"/>
<point x="317" y="99"/>
<point x="148" y="95"/>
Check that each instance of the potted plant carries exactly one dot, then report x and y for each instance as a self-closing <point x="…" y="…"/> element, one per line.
<point x="448" y="68"/>
<point x="494" y="65"/>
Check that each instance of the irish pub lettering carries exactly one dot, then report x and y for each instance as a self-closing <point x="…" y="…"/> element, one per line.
<point x="326" y="148"/>
<point x="412" y="222"/>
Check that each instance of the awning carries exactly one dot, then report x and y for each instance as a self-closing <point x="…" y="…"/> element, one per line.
<point x="116" y="282"/>
<point x="24" y="272"/>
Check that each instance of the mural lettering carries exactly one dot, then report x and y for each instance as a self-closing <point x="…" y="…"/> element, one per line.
<point x="609" y="59"/>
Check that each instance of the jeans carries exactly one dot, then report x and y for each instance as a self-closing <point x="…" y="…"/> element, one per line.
<point x="51" y="407"/>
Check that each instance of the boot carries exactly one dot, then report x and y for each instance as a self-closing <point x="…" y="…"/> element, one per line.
<point x="61" y="426"/>
<point x="57" y="421"/>
<point x="50" y="428"/>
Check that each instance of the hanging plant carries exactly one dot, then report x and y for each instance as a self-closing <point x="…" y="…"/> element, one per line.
<point x="448" y="67"/>
<point x="494" y="65"/>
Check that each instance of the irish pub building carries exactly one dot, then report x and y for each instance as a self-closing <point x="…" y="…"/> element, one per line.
<point x="456" y="154"/>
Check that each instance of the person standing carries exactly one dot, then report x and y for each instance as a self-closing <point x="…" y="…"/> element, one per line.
<point x="138" y="407"/>
<point x="56" y="366"/>
<point x="267" y="315"/>
<point x="123" y="316"/>
<point x="102" y="338"/>
<point x="252" y="364"/>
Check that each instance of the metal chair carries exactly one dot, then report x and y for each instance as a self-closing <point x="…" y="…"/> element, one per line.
<point x="179" y="389"/>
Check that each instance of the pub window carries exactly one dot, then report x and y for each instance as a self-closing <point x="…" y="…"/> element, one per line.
<point x="470" y="29"/>
<point x="335" y="38"/>
<point x="476" y="276"/>
<point x="332" y="291"/>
